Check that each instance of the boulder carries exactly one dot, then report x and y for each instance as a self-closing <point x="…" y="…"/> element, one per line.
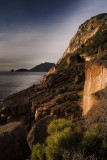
<point x="13" y="144"/>
<point x="38" y="133"/>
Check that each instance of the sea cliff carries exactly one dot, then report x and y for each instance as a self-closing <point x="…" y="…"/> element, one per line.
<point x="71" y="88"/>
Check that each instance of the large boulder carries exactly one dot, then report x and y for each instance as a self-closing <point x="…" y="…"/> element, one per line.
<point x="13" y="144"/>
<point x="38" y="133"/>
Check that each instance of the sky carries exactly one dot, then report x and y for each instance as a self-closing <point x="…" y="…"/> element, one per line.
<point x="38" y="31"/>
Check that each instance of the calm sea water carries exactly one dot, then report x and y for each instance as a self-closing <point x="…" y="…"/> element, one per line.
<point x="11" y="82"/>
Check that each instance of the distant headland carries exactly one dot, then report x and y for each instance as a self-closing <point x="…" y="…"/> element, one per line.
<point x="43" y="67"/>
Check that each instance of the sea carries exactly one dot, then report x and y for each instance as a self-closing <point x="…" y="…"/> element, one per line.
<point x="12" y="82"/>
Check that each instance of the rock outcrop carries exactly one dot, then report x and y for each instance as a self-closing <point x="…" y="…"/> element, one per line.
<point x="98" y="112"/>
<point x="13" y="144"/>
<point x="38" y="133"/>
<point x="85" y="32"/>
<point x="95" y="80"/>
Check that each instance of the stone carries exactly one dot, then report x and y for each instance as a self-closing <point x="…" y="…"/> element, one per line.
<point x="95" y="80"/>
<point x="38" y="132"/>
<point x="13" y="144"/>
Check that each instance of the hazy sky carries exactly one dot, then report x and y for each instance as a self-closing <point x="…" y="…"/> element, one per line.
<point x="37" y="31"/>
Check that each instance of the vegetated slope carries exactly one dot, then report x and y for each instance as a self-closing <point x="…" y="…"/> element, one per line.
<point x="43" y="67"/>
<point x="60" y="93"/>
<point x="86" y="31"/>
<point x="89" y="41"/>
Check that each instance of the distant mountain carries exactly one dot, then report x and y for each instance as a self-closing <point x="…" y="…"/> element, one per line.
<point x="22" y="70"/>
<point x="43" y="67"/>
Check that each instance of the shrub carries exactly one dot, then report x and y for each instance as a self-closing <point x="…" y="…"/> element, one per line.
<point x="65" y="143"/>
<point x="59" y="125"/>
<point x="92" y="140"/>
<point x="52" y="154"/>
<point x="38" y="152"/>
<point x="62" y="137"/>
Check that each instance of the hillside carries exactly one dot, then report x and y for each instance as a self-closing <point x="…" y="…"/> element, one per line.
<point x="43" y="67"/>
<point x="72" y="89"/>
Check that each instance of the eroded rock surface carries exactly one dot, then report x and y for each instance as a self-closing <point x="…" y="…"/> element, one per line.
<point x="95" y="80"/>
<point x="98" y="112"/>
<point x="13" y="144"/>
<point x="38" y="132"/>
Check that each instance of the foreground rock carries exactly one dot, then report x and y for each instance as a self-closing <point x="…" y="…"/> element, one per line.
<point x="38" y="132"/>
<point x="13" y="145"/>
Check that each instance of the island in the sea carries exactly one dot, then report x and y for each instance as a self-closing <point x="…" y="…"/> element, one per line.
<point x="43" y="67"/>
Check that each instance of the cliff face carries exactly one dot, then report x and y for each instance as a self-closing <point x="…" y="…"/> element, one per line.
<point x="95" y="80"/>
<point x="85" y="32"/>
<point x="98" y="112"/>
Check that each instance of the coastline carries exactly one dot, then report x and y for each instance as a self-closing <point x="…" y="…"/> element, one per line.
<point x="13" y="82"/>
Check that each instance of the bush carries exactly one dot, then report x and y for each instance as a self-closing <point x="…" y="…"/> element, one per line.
<point x="62" y="137"/>
<point x="38" y="152"/>
<point x="92" y="140"/>
<point x="52" y="154"/>
<point x="59" y="125"/>
<point x="65" y="143"/>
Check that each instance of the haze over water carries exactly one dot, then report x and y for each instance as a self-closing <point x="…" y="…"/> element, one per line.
<point x="11" y="82"/>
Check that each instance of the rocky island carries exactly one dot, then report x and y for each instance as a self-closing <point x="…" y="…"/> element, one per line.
<point x="75" y="89"/>
<point x="43" y="67"/>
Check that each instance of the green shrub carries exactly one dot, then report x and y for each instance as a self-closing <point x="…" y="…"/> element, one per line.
<point x="64" y="141"/>
<point x="92" y="140"/>
<point x="38" y="152"/>
<point x="52" y="154"/>
<point x="59" y="125"/>
<point x="62" y="137"/>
